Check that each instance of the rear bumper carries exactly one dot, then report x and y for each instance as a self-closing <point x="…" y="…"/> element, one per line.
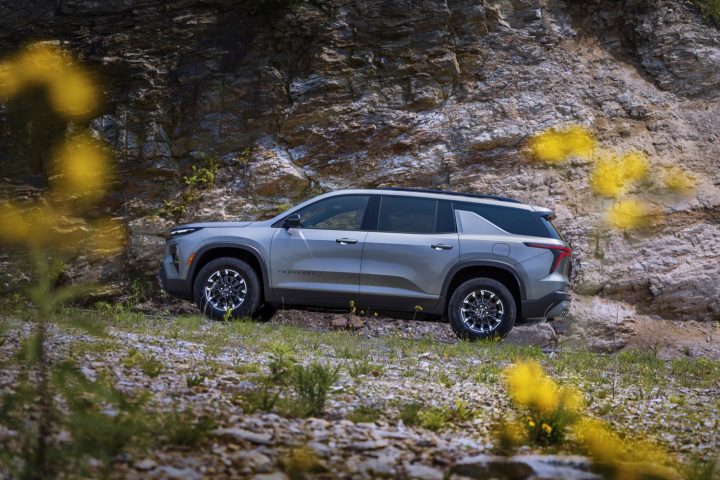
<point x="552" y="305"/>
<point x="176" y="287"/>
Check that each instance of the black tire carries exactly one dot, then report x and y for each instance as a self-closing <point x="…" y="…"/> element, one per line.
<point x="221" y="266"/>
<point x="465" y="330"/>
<point x="265" y="313"/>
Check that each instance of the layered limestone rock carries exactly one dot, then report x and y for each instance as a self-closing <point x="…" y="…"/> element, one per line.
<point x="430" y="93"/>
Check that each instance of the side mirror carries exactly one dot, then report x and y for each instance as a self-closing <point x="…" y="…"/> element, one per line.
<point x="292" y="221"/>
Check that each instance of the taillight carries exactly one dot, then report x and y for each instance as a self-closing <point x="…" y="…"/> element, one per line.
<point x="559" y="252"/>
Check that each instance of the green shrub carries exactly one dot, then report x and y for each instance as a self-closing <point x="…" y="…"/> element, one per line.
<point x="202" y="177"/>
<point x="441" y="418"/>
<point x="299" y="462"/>
<point x="183" y="428"/>
<point x="148" y="364"/>
<point x="312" y="385"/>
<point x="409" y="413"/>
<point x="194" y="379"/>
<point x="364" y="414"/>
<point x="282" y="360"/>
<point x="261" y="399"/>
<point x="365" y="367"/>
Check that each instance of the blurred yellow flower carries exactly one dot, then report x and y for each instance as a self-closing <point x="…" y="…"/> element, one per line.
<point x="572" y="399"/>
<point x="41" y="62"/>
<point x="546" y="428"/>
<point x="73" y="94"/>
<point x="629" y="214"/>
<point x="82" y="168"/>
<point x="521" y="379"/>
<point x="613" y="175"/>
<point x="600" y="442"/>
<point x="635" y="166"/>
<point x="545" y="396"/>
<point x="9" y="79"/>
<point x="578" y="141"/>
<point x="608" y="178"/>
<point x="677" y="180"/>
<point x="554" y="146"/>
<point x="34" y="226"/>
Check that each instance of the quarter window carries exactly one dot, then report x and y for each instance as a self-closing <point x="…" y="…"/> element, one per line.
<point x="513" y="220"/>
<point x="335" y="213"/>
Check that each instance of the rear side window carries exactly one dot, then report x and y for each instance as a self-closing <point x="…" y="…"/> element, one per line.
<point x="513" y="220"/>
<point x="407" y="215"/>
<point x="416" y="215"/>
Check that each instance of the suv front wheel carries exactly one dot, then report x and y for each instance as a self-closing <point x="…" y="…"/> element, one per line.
<point x="481" y="308"/>
<point x="224" y="284"/>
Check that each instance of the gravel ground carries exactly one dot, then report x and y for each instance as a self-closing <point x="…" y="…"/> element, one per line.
<point x="412" y="366"/>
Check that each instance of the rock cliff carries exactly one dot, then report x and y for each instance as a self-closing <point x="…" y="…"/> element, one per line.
<point x="327" y="94"/>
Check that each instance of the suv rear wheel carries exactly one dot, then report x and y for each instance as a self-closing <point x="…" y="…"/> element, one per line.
<point x="224" y="284"/>
<point x="481" y="308"/>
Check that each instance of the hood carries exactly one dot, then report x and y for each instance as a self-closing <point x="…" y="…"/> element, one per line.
<point x="212" y="225"/>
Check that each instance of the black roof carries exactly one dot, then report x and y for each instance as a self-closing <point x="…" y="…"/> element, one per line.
<point x="445" y="192"/>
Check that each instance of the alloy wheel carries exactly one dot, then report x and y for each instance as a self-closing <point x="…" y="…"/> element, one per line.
<point x="225" y="290"/>
<point x="482" y="311"/>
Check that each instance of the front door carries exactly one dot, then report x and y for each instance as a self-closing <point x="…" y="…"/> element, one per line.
<point x="319" y="263"/>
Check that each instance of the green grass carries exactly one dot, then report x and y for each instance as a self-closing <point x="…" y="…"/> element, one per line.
<point x="445" y="416"/>
<point x="365" y="367"/>
<point x="365" y="414"/>
<point x="710" y="9"/>
<point x="148" y="364"/>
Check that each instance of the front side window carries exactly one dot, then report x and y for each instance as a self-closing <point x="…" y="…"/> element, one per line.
<point x="335" y="213"/>
<point x="407" y="215"/>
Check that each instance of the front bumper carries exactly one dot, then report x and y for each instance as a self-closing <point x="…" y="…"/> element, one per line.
<point x="553" y="305"/>
<point x="176" y="287"/>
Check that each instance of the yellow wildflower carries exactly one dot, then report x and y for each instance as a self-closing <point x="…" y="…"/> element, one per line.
<point x="608" y="178"/>
<point x="531" y="422"/>
<point x="600" y="442"/>
<point x="572" y="399"/>
<point x="546" y="428"/>
<point x="82" y="168"/>
<point x="521" y="380"/>
<point x="42" y="63"/>
<point x="634" y="166"/>
<point x="677" y="180"/>
<point x="36" y="226"/>
<point x="554" y="146"/>
<point x="578" y="141"/>
<point x="545" y="397"/>
<point x="73" y="94"/>
<point x="629" y="214"/>
<point x="9" y="79"/>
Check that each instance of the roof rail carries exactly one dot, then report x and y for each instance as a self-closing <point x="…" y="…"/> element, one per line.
<point x="445" y="192"/>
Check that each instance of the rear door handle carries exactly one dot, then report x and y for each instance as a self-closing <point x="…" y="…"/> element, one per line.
<point x="441" y="246"/>
<point x="346" y="241"/>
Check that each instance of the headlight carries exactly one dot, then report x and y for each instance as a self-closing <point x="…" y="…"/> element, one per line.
<point x="183" y="231"/>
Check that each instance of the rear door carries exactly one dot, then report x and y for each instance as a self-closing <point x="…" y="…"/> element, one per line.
<point x="319" y="263"/>
<point x="407" y="259"/>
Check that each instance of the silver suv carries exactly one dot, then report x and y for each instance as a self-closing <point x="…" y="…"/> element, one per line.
<point x="484" y="263"/>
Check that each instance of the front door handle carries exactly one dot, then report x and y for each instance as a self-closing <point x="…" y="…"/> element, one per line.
<point x="441" y="246"/>
<point x="346" y="241"/>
